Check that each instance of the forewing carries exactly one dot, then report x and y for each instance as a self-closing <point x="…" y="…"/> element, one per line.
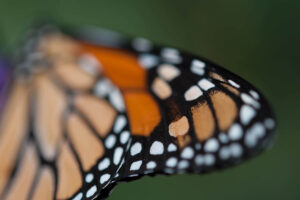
<point x="210" y="117"/>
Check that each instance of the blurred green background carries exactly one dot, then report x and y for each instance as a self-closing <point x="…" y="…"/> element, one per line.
<point x="258" y="40"/>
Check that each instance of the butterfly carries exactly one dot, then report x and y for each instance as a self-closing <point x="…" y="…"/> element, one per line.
<point x="91" y="108"/>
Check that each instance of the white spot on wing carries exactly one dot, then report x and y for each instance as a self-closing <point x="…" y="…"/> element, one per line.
<point x="234" y="84"/>
<point x="157" y="148"/>
<point x="124" y="137"/>
<point x="235" y="132"/>
<point x="224" y="153"/>
<point x="256" y="132"/>
<point x="192" y="93"/>
<point x="89" y="177"/>
<point x="104" y="164"/>
<point x="209" y="159"/>
<point x="211" y="145"/>
<point x="78" y="196"/>
<point x="269" y="123"/>
<point x="246" y="114"/>
<point x="133" y="175"/>
<point x="199" y="160"/>
<point x="91" y="191"/>
<point x="171" y="162"/>
<point x="236" y="150"/>
<point x="205" y="84"/>
<point x="250" y="140"/>
<point x="141" y="44"/>
<point x="110" y="141"/>
<point x="120" y="123"/>
<point x="171" y="55"/>
<point x="103" y="87"/>
<point x="148" y="60"/>
<point x="172" y="147"/>
<point x="223" y="138"/>
<point x="116" y="99"/>
<point x="104" y="178"/>
<point x="249" y="100"/>
<point x="136" y="149"/>
<point x="187" y="153"/>
<point x="197" y="67"/>
<point x="151" y="165"/>
<point x="117" y="155"/>
<point x="168" y="72"/>
<point x="183" y="164"/>
<point x="254" y="94"/>
<point x="135" y="165"/>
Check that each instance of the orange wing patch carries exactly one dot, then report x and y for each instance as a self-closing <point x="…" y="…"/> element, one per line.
<point x="179" y="127"/>
<point x="225" y="108"/>
<point x="123" y="69"/>
<point x="204" y="123"/>
<point x="143" y="112"/>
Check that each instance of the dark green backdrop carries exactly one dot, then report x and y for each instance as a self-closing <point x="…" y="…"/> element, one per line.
<point x="258" y="40"/>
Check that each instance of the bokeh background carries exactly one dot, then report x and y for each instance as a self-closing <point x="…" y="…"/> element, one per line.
<point x="258" y="40"/>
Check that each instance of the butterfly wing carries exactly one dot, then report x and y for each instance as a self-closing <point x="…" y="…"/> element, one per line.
<point x="55" y="133"/>
<point x="210" y="117"/>
<point x="101" y="108"/>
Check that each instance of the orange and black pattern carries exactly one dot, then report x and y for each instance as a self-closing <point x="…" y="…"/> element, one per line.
<point x="93" y="109"/>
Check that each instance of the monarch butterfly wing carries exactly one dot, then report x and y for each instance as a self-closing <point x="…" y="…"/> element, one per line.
<point x="56" y="134"/>
<point x="110" y="109"/>
<point x="210" y="118"/>
<point x="13" y="130"/>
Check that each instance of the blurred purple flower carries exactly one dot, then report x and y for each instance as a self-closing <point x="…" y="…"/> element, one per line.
<point x="5" y="74"/>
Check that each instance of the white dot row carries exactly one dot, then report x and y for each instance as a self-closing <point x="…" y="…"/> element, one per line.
<point x="195" y="91"/>
<point x="104" y="88"/>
